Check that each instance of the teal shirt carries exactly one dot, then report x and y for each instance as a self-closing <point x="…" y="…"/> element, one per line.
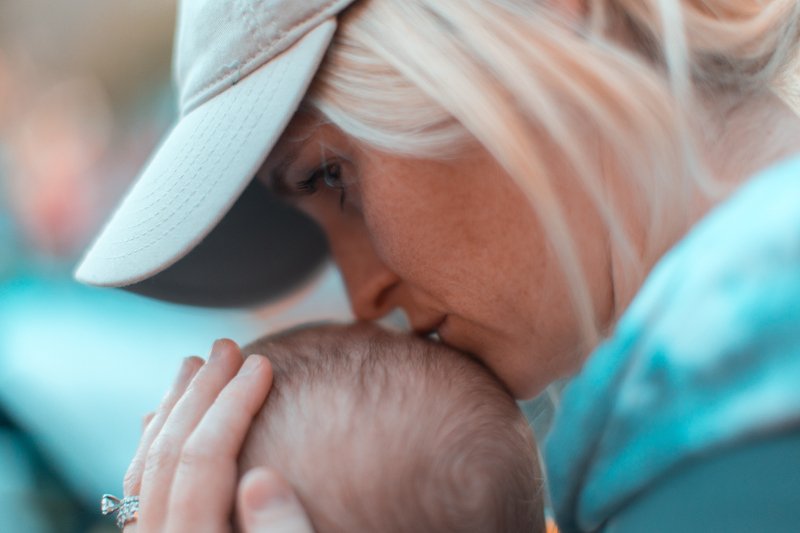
<point x="707" y="355"/>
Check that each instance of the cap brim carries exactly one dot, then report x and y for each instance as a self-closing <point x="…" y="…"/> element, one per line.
<point x="194" y="180"/>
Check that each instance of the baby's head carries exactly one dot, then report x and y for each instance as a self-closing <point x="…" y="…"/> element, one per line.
<point x="378" y="431"/>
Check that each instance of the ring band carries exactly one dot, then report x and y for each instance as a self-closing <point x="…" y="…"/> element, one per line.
<point x="127" y="508"/>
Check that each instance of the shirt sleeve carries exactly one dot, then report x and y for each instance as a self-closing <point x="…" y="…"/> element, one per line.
<point x="707" y="355"/>
<point x="747" y="487"/>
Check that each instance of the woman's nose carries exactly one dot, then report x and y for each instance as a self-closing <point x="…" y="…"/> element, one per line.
<point x="371" y="286"/>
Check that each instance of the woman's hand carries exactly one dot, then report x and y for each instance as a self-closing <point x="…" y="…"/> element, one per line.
<point x="185" y="469"/>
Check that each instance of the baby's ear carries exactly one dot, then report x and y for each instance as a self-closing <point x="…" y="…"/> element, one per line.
<point x="266" y="502"/>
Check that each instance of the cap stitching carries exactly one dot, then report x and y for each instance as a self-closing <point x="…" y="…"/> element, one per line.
<point x="184" y="156"/>
<point x="245" y="63"/>
<point x="208" y="189"/>
<point x="270" y="44"/>
<point x="184" y="185"/>
<point x="171" y="177"/>
<point x="253" y="23"/>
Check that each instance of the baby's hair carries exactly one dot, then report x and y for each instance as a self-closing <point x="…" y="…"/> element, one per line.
<point x="379" y="431"/>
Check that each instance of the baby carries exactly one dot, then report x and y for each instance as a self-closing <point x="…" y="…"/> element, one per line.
<point x="378" y="431"/>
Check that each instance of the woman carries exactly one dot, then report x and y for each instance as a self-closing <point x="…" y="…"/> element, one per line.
<point x="507" y="172"/>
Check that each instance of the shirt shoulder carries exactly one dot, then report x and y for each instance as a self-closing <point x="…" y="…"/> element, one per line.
<point x="707" y="354"/>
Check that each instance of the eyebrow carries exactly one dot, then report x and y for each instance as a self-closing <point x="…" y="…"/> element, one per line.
<point x="276" y="179"/>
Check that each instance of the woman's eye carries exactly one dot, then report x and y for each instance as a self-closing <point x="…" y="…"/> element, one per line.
<point x="331" y="176"/>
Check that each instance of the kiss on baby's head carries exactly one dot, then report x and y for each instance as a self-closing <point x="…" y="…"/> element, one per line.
<point x="378" y="431"/>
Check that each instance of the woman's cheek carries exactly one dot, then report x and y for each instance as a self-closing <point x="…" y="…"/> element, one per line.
<point x="390" y="241"/>
<point x="420" y="261"/>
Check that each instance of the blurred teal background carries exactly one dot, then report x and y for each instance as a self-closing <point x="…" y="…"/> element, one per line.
<point x="85" y="95"/>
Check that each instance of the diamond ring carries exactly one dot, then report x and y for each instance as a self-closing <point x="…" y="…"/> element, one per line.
<point x="127" y="508"/>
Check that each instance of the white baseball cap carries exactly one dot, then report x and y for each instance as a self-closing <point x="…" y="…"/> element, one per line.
<point x="195" y="227"/>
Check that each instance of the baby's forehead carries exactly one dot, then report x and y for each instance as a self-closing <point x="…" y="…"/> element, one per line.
<point x="339" y="375"/>
<point x="333" y="341"/>
<point x="364" y="360"/>
<point x="315" y="331"/>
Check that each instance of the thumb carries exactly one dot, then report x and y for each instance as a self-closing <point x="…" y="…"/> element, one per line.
<point x="267" y="504"/>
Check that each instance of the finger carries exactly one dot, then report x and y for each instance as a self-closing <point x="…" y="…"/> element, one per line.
<point x="133" y="477"/>
<point x="266" y="502"/>
<point x="132" y="527"/>
<point x="162" y="458"/>
<point x="211" y="452"/>
<point x="146" y="419"/>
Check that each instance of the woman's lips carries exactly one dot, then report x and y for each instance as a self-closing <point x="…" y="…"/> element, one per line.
<point x="453" y="335"/>
<point x="431" y="331"/>
<point x="438" y="331"/>
<point x="442" y="332"/>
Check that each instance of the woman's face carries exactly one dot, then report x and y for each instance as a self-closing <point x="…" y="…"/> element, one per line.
<point x="453" y="243"/>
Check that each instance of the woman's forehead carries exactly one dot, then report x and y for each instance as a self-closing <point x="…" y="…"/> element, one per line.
<point x="300" y="130"/>
<point x="307" y="129"/>
<point x="306" y="138"/>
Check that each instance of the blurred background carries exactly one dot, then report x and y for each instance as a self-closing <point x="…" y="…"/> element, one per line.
<point x="85" y="95"/>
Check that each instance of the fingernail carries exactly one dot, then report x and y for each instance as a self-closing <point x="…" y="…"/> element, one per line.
<point x="265" y="490"/>
<point x="216" y="349"/>
<point x="183" y="371"/>
<point x="251" y="364"/>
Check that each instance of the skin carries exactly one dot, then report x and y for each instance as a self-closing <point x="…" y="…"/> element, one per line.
<point x="448" y="239"/>
<point x="194" y="436"/>
<point x="456" y="245"/>
<point x="453" y="243"/>
<point x="443" y="240"/>
<point x="396" y="249"/>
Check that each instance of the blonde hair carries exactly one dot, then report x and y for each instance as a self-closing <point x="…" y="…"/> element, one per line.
<point x="428" y="77"/>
